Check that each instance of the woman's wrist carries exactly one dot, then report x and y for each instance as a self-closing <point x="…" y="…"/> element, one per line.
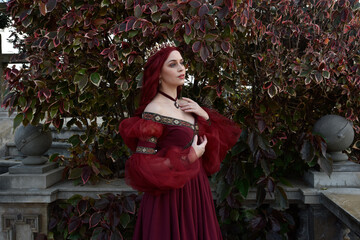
<point x="205" y="115"/>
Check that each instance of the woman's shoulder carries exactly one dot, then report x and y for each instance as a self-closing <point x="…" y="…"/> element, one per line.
<point x="155" y="107"/>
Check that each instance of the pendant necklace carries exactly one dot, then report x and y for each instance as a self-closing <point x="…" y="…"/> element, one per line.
<point x="175" y="100"/>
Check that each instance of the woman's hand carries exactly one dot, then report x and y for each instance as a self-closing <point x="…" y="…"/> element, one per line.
<point x="188" y="105"/>
<point x="199" y="148"/>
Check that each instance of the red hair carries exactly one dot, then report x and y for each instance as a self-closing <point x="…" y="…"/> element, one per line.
<point x="150" y="82"/>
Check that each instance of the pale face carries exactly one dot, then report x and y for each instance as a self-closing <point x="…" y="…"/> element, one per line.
<point x="173" y="71"/>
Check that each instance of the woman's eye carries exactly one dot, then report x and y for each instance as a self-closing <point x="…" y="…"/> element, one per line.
<point x="172" y="65"/>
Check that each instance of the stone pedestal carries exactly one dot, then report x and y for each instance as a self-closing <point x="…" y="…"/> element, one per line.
<point x="31" y="176"/>
<point x="346" y="166"/>
<point x="337" y="179"/>
<point x="345" y="174"/>
<point x="23" y="209"/>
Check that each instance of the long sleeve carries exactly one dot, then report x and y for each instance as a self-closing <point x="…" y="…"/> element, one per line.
<point x="222" y="134"/>
<point x="155" y="170"/>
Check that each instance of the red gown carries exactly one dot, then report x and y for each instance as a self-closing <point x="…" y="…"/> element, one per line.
<point x="177" y="203"/>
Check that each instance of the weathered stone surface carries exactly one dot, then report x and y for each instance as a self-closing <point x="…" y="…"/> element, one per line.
<point x="346" y="166"/>
<point x="337" y="179"/>
<point x="6" y="164"/>
<point x="23" y="181"/>
<point x="32" y="169"/>
<point x="323" y="225"/>
<point x="345" y="205"/>
<point x="56" y="147"/>
<point x="21" y="221"/>
<point x="6" y="135"/>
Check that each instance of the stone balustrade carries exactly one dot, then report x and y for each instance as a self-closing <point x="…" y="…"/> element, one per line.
<point x="325" y="213"/>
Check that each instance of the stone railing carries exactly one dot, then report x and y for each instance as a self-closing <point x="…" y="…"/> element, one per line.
<point x="325" y="212"/>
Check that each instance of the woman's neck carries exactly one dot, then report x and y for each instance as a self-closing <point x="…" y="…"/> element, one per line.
<point x="171" y="92"/>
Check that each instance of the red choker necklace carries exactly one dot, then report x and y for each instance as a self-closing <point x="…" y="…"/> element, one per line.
<point x="175" y="100"/>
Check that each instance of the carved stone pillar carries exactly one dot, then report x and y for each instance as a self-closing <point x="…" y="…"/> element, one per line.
<point x="20" y="226"/>
<point x="22" y="221"/>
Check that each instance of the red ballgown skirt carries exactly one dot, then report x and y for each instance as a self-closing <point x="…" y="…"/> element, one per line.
<point x="187" y="213"/>
<point x="177" y="203"/>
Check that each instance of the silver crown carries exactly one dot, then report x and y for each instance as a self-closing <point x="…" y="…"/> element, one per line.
<point x="153" y="50"/>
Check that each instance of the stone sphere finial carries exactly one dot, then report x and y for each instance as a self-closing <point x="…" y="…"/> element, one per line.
<point x="338" y="133"/>
<point x="33" y="142"/>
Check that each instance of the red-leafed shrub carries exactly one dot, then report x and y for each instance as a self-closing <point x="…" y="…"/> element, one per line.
<point x="275" y="67"/>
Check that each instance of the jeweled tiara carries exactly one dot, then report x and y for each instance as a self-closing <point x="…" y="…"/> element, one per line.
<point x="153" y="50"/>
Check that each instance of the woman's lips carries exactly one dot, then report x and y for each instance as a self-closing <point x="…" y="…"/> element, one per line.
<point x="182" y="76"/>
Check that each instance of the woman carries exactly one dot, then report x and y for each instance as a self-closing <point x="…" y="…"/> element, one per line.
<point x="176" y="145"/>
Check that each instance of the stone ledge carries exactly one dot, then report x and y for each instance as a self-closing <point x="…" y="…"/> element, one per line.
<point x="336" y="179"/>
<point x="28" y="181"/>
<point x="344" y="204"/>
<point x="298" y="193"/>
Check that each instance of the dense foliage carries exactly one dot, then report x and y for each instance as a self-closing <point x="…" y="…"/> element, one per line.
<point x="107" y="217"/>
<point x="275" y="67"/>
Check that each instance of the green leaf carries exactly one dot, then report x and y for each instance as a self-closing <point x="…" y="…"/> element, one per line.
<point x="122" y="84"/>
<point x="95" y="78"/>
<point x="224" y="189"/>
<point x="281" y="198"/>
<point x="75" y="173"/>
<point x="54" y="111"/>
<point x="27" y="21"/>
<point x="238" y="148"/>
<point x="29" y="115"/>
<point x="318" y="77"/>
<point x="262" y="108"/>
<point x="211" y="37"/>
<point x="357" y="145"/>
<point x="243" y="187"/>
<point x="82" y="71"/>
<point x="326" y="165"/>
<point x="228" y="88"/>
<point x="74" y="140"/>
<point x="204" y="53"/>
<point x="156" y="16"/>
<point x="83" y="82"/>
<point x="234" y="214"/>
<point x="67" y="106"/>
<point x="307" y="152"/>
<point x="22" y="101"/>
<point x="82" y="98"/>
<point x="187" y="39"/>
<point x="124" y="219"/>
<point x="128" y="4"/>
<point x="17" y="120"/>
<point x="285" y="182"/>
<point x="137" y="11"/>
<point x="304" y="73"/>
<point x="74" y="199"/>
<point x="133" y="33"/>
<point x="326" y="74"/>
<point x="105" y="3"/>
<point x="265" y="167"/>
<point x="53" y="157"/>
